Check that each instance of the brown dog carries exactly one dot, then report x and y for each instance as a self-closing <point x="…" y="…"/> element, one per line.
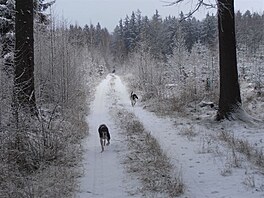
<point x="104" y="135"/>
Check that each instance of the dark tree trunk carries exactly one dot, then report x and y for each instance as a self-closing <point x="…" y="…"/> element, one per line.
<point x="24" y="94"/>
<point x="230" y="99"/>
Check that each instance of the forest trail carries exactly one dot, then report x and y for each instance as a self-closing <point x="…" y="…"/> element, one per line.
<point x="200" y="170"/>
<point x="105" y="176"/>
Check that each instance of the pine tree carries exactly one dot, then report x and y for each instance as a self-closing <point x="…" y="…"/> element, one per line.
<point x="7" y="22"/>
<point x="138" y="25"/>
<point x="24" y="93"/>
<point x="209" y="31"/>
<point x="97" y="35"/>
<point x="230" y="99"/>
<point x="187" y="29"/>
<point x="126" y="35"/>
<point x="155" y="33"/>
<point x="40" y="6"/>
<point x="117" y="44"/>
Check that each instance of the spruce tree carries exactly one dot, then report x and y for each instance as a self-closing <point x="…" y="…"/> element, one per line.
<point x="24" y="93"/>
<point x="230" y="99"/>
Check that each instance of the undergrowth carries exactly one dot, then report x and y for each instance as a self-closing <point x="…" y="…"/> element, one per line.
<point x="253" y="154"/>
<point x="39" y="157"/>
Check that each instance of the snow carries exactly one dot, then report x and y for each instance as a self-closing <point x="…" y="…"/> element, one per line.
<point x="200" y="170"/>
<point x="4" y="19"/>
<point x="104" y="176"/>
<point x="206" y="164"/>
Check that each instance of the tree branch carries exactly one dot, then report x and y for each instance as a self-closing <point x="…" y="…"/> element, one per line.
<point x="191" y="12"/>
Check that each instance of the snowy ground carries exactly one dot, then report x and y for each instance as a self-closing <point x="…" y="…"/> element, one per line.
<point x="209" y="167"/>
<point x="104" y="176"/>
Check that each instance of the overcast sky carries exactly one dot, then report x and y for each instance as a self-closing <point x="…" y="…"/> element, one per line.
<point x="109" y="12"/>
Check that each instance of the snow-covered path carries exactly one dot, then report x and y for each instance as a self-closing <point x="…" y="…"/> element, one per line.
<point x="202" y="171"/>
<point x="200" y="174"/>
<point x="104" y="176"/>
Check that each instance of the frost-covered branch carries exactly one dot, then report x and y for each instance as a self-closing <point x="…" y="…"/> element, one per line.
<point x="198" y="5"/>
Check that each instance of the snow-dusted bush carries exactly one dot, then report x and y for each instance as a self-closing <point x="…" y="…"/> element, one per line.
<point x="40" y="156"/>
<point x="185" y="79"/>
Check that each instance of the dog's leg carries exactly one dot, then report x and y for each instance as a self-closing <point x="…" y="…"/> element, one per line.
<point x="101" y="141"/>
<point x="108" y="142"/>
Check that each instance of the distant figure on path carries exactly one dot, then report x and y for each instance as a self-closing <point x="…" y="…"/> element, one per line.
<point x="133" y="98"/>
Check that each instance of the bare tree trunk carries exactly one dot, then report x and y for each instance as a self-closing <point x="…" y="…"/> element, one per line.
<point x="24" y="92"/>
<point x="1" y="91"/>
<point x="52" y="52"/>
<point x="230" y="99"/>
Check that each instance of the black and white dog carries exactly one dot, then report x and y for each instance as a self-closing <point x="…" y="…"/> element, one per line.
<point x="104" y="135"/>
<point x="133" y="98"/>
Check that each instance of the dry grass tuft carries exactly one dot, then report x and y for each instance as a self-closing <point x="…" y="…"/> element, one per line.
<point x="253" y="154"/>
<point x="147" y="160"/>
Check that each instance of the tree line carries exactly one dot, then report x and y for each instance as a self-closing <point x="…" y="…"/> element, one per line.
<point x="159" y="34"/>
